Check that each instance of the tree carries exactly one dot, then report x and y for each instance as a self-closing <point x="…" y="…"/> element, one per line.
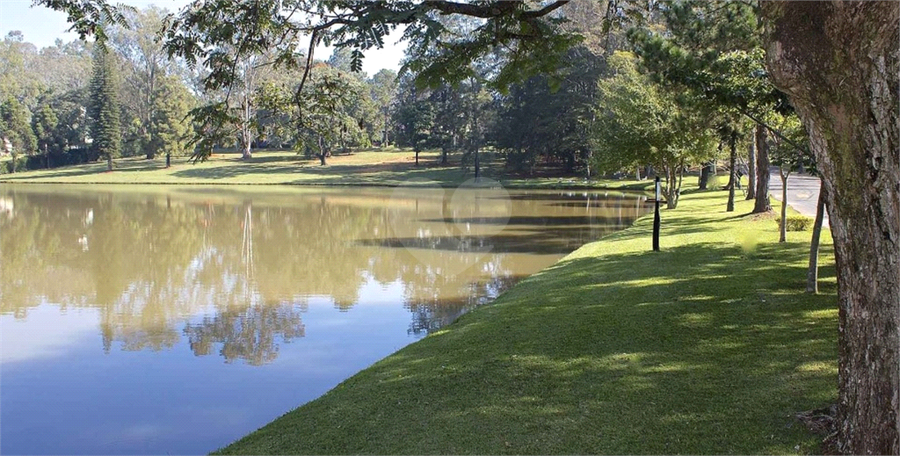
<point x="17" y="127"/>
<point x="18" y="77"/>
<point x="104" y="112"/>
<point x="788" y="158"/>
<point x="838" y="62"/>
<point x="713" y="49"/>
<point x="415" y="118"/>
<point x="762" y="203"/>
<point x="145" y="65"/>
<point x="170" y="129"/>
<point x="382" y="90"/>
<point x="46" y="129"/>
<point x="73" y="125"/>
<point x="322" y="114"/>
<point x="644" y="124"/>
<point x="552" y="117"/>
<point x="812" y="272"/>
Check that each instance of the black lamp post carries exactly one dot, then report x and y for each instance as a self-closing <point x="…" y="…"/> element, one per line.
<point x="656" y="219"/>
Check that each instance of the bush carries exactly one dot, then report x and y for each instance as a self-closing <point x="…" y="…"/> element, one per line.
<point x="20" y="165"/>
<point x="70" y="157"/>
<point x="797" y="223"/>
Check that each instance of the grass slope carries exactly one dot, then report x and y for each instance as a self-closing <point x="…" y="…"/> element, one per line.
<point x="371" y="167"/>
<point x="709" y="346"/>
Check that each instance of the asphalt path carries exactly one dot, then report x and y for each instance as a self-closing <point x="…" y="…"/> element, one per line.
<point x="802" y="194"/>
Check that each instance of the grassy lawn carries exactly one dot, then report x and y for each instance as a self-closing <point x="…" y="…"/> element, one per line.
<point x="372" y="167"/>
<point x="709" y="346"/>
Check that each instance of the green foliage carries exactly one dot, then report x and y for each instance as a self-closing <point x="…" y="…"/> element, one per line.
<point x="46" y="129"/>
<point x="642" y="123"/>
<point x="15" y="126"/>
<point x="88" y="17"/>
<point x="104" y="113"/>
<point x="712" y="50"/>
<point x="796" y="223"/>
<point x="539" y="119"/>
<point x="415" y="120"/>
<point x="170" y="125"/>
<point x="383" y="92"/>
<point x="790" y="150"/>
<point x="326" y="116"/>
<point x="149" y="77"/>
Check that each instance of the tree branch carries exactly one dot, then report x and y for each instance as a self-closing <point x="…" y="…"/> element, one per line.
<point x="774" y="131"/>
<point x="545" y="10"/>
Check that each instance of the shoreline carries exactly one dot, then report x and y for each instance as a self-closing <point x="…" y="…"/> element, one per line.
<point x="490" y="381"/>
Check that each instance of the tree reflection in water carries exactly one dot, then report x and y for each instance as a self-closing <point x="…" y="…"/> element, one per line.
<point x="247" y="334"/>
<point x="231" y="271"/>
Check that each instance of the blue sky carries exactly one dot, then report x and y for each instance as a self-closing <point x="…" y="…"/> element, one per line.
<point x="42" y="26"/>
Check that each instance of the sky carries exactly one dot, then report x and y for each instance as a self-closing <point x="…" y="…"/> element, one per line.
<point x="42" y="26"/>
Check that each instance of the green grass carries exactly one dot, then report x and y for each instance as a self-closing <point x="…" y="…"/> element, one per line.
<point x="709" y="346"/>
<point x="372" y="167"/>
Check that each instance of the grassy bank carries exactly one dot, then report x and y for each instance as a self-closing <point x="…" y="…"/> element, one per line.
<point x="709" y="346"/>
<point x="372" y="167"/>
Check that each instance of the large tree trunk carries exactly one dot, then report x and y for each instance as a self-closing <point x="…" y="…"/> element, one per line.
<point x="812" y="273"/>
<point x="838" y="63"/>
<point x="762" y="172"/>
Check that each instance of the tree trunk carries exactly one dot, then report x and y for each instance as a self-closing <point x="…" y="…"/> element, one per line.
<point x="839" y="64"/>
<point x="384" y="135"/>
<point x="762" y="172"/>
<point x="732" y="160"/>
<point x="477" y="165"/>
<point x="751" y="171"/>
<point x="705" y="172"/>
<point x="812" y="274"/>
<point x="587" y="166"/>
<point x="671" y="195"/>
<point x="782" y="235"/>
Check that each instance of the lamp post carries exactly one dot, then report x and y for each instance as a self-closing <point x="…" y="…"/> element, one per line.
<point x="656" y="219"/>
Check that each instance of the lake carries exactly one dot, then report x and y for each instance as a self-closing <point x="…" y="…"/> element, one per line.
<point x="178" y="319"/>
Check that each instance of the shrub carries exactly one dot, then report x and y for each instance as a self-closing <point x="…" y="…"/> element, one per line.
<point x="797" y="223"/>
<point x="21" y="165"/>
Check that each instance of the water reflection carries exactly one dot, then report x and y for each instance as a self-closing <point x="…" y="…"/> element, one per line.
<point x="233" y="271"/>
<point x="248" y="334"/>
<point x="312" y="284"/>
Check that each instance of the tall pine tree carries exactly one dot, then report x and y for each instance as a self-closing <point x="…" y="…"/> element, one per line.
<point x="106" y="130"/>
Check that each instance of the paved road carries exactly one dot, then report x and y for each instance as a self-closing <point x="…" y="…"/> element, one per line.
<point x="803" y="192"/>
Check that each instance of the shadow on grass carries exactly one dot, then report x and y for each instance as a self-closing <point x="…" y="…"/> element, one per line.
<point x="562" y="220"/>
<point x="697" y="349"/>
<point x="57" y="173"/>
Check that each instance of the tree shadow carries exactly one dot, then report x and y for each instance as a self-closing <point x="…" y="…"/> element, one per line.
<point x="704" y="348"/>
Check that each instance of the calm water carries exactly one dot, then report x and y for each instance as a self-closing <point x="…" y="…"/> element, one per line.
<point x="179" y="319"/>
